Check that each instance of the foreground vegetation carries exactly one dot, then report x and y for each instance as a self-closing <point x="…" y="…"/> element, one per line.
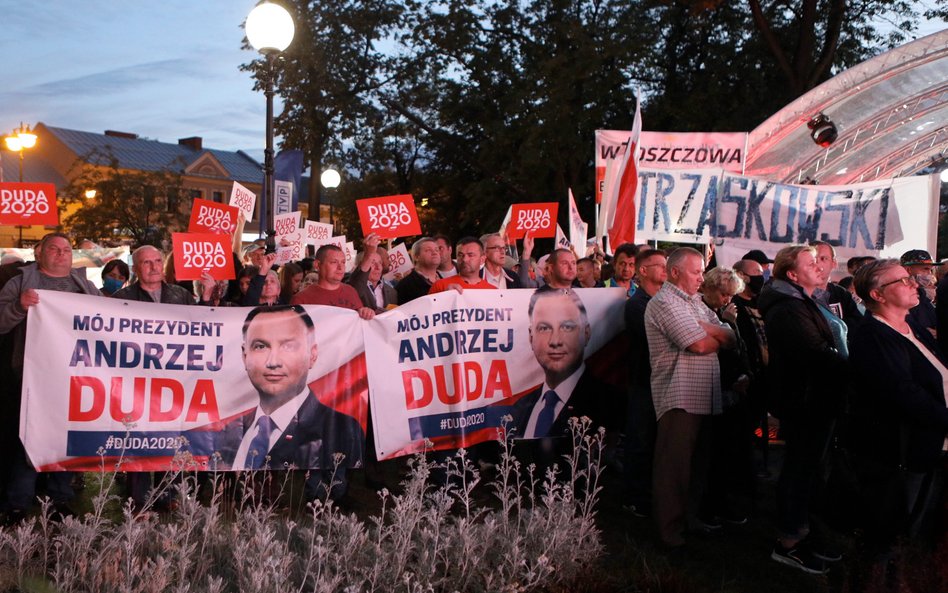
<point x="538" y="533"/>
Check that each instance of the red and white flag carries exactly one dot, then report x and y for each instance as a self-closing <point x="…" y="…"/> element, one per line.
<point x="617" y="214"/>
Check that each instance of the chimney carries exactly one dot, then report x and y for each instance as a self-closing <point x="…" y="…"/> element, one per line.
<point x="194" y="142"/>
<point x="115" y="134"/>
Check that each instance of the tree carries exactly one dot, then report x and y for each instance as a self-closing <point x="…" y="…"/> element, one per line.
<point x="143" y="207"/>
<point x="475" y="104"/>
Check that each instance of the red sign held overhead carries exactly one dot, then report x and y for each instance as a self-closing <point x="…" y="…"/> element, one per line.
<point x="196" y="253"/>
<point x="538" y="219"/>
<point x="389" y="217"/>
<point x="28" y="203"/>
<point x="211" y="217"/>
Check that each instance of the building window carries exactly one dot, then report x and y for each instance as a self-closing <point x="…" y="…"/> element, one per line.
<point x="219" y="197"/>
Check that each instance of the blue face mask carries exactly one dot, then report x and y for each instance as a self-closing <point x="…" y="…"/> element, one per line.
<point x="111" y="285"/>
<point x="766" y="274"/>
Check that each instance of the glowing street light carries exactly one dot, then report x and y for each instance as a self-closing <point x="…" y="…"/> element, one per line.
<point x="21" y="139"/>
<point x="270" y="30"/>
<point x="330" y="180"/>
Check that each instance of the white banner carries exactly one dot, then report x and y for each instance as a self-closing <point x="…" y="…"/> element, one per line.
<point x="449" y="367"/>
<point x="672" y="150"/>
<point x="881" y="218"/>
<point x="111" y="380"/>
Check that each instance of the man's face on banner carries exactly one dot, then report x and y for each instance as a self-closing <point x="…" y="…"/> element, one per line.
<point x="278" y="352"/>
<point x="558" y="336"/>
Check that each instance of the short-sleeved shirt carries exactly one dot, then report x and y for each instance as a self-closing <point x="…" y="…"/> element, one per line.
<point x="445" y="284"/>
<point x="345" y="296"/>
<point x="681" y="379"/>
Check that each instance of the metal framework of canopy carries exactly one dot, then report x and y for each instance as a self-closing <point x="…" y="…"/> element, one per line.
<point x="891" y="113"/>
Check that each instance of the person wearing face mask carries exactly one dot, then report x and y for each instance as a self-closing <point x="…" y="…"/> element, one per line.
<point x="919" y="264"/>
<point x="114" y="276"/>
<point x="750" y="324"/>
<point x="760" y="257"/>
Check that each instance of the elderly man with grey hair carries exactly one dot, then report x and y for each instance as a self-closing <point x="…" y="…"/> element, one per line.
<point x="684" y="337"/>
<point x="150" y="285"/>
<point x="495" y="250"/>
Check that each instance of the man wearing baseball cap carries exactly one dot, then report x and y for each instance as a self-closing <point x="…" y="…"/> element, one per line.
<point x="920" y="266"/>
<point x="760" y="257"/>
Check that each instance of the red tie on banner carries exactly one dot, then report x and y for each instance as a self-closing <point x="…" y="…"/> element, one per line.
<point x="211" y="217"/>
<point x="623" y="226"/>
<point x="196" y="253"/>
<point x="537" y="218"/>
<point x="28" y="204"/>
<point x="389" y="217"/>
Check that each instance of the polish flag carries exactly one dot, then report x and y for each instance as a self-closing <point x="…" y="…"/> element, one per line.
<point x="617" y="215"/>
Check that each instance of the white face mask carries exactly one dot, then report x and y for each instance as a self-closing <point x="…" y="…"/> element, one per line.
<point x="925" y="280"/>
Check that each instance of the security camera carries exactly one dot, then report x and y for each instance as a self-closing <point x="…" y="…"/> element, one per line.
<point x="822" y="130"/>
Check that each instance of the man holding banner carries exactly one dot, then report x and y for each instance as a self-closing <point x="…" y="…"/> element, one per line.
<point x="53" y="271"/>
<point x="330" y="290"/>
<point x="469" y="262"/>
<point x="290" y="426"/>
<point x="148" y="266"/>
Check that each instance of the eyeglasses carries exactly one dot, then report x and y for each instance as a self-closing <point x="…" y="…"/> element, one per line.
<point x="496" y="247"/>
<point x="905" y="280"/>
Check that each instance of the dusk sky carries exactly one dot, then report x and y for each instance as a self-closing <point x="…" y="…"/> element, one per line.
<point x="163" y="70"/>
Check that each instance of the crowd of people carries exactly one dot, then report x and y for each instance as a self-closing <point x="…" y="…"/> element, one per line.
<point x="715" y="358"/>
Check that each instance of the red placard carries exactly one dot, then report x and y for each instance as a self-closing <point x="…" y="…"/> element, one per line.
<point x="195" y="253"/>
<point x="389" y="216"/>
<point x="28" y="203"/>
<point x="537" y="218"/>
<point x="212" y="217"/>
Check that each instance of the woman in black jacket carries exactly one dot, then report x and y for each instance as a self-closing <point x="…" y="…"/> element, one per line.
<point x="900" y="415"/>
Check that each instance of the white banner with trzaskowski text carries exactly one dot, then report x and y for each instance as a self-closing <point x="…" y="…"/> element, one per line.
<point x="445" y="370"/>
<point x="885" y="217"/>
<point x="113" y="384"/>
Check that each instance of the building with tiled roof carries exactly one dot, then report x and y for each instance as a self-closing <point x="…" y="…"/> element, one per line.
<point x="206" y="173"/>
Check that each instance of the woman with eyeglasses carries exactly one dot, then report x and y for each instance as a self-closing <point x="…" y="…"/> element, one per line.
<point x="899" y="411"/>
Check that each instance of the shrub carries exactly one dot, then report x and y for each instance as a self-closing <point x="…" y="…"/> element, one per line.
<point x="540" y="533"/>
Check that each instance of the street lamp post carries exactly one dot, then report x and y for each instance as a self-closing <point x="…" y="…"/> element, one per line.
<point x="330" y="180"/>
<point x="269" y="30"/>
<point x="21" y="138"/>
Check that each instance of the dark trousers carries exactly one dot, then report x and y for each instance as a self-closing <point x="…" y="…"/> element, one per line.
<point x="681" y="465"/>
<point x="639" y="446"/>
<point x="21" y="479"/>
<point x="807" y="436"/>
<point x="731" y="476"/>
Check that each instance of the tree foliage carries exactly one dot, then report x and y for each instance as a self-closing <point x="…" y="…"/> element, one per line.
<point x="475" y="104"/>
<point x="143" y="207"/>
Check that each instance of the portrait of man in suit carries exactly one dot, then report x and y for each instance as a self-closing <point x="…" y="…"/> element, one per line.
<point x="290" y="426"/>
<point x="559" y="331"/>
